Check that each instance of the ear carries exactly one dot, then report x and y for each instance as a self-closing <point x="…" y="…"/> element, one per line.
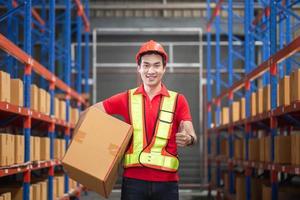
<point x="138" y="68"/>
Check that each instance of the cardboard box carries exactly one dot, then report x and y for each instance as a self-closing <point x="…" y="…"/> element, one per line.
<point x="97" y="132"/>
<point x="56" y="108"/>
<point x="268" y="155"/>
<point x="42" y="101"/>
<point x="6" y="196"/>
<point x="238" y="149"/>
<point x="57" y="148"/>
<point x="32" y="152"/>
<point x="262" y="149"/>
<point x="259" y="101"/>
<point x="55" y="194"/>
<point x="284" y="91"/>
<point x="253" y="149"/>
<point x="34" y="98"/>
<point x="4" y="87"/>
<point x="3" y="150"/>
<point x="266" y="192"/>
<point x="37" y="148"/>
<point x="295" y="85"/>
<point x="267" y="98"/>
<point x="11" y="149"/>
<point x="243" y="108"/>
<point x="235" y="107"/>
<point x="62" y="110"/>
<point x="295" y="148"/>
<point x="15" y="190"/>
<point x="16" y="92"/>
<point x="19" y="149"/>
<point x="36" y="191"/>
<point x="225" y="115"/>
<point x="240" y="188"/>
<point x="45" y="148"/>
<point x="48" y="102"/>
<point x="60" y="186"/>
<point x="253" y="104"/>
<point x="224" y="147"/>
<point x="283" y="149"/>
<point x="74" y="115"/>
<point x="63" y="148"/>
<point x="44" y="190"/>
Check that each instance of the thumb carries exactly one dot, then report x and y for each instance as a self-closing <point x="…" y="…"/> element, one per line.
<point x="181" y="125"/>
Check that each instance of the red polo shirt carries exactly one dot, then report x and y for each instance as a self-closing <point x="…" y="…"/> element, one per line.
<point x="118" y="104"/>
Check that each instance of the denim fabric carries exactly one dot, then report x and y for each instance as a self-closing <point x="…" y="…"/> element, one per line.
<point x="133" y="189"/>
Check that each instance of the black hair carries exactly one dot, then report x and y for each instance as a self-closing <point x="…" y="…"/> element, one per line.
<point x="152" y="52"/>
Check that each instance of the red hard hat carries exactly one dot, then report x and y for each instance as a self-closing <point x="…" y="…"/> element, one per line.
<point x="151" y="46"/>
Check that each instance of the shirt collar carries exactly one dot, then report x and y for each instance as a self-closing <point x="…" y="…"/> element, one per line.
<point x="163" y="91"/>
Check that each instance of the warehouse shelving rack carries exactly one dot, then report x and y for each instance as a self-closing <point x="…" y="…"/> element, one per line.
<point x="39" y="22"/>
<point x="264" y="28"/>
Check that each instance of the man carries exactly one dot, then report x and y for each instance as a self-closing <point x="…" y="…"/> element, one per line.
<point x="161" y="121"/>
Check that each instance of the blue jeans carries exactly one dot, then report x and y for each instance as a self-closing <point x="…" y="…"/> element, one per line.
<point x="133" y="189"/>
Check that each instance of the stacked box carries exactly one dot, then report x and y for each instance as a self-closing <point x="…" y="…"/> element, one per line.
<point x="60" y="185"/>
<point x="225" y="115"/>
<point x="3" y="150"/>
<point x="283" y="149"/>
<point x="48" y="102"/>
<point x="284" y="91"/>
<point x="63" y="148"/>
<point x="19" y="149"/>
<point x="262" y="149"/>
<point x="11" y="149"/>
<point x="62" y="109"/>
<point x="42" y="101"/>
<point x="45" y="148"/>
<point x="34" y="98"/>
<point x="267" y="98"/>
<point x="44" y="190"/>
<point x="56" y="108"/>
<point x="235" y="107"/>
<point x="4" y="87"/>
<point x="74" y="115"/>
<point x="238" y="149"/>
<point x="243" y="108"/>
<point x="295" y="148"/>
<point x="259" y="101"/>
<point x="240" y="188"/>
<point x="36" y="191"/>
<point x="253" y="104"/>
<point x="253" y="149"/>
<point x="16" y="92"/>
<point x="268" y="155"/>
<point x="224" y="147"/>
<point x="295" y="86"/>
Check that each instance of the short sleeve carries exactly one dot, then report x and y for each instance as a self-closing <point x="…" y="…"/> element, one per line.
<point x="183" y="110"/>
<point x="116" y="104"/>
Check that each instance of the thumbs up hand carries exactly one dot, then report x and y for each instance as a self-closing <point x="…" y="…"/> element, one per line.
<point x="182" y="137"/>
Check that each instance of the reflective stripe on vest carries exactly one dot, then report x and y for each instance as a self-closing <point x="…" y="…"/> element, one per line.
<point x="154" y="155"/>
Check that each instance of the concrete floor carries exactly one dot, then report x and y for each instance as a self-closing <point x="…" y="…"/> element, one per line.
<point x="115" y="195"/>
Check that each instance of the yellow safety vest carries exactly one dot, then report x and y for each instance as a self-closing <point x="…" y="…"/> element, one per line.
<point x="154" y="154"/>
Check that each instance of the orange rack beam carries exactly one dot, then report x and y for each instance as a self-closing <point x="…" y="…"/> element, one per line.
<point x="83" y="15"/>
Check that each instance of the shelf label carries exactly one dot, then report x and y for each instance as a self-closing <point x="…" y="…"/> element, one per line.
<point x="6" y="171"/>
<point x="6" y="106"/>
<point x="283" y="168"/>
<point x="19" y="109"/>
<point x="18" y="169"/>
<point x="297" y="171"/>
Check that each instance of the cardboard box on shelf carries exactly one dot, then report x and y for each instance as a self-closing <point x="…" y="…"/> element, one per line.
<point x="284" y="91"/>
<point x="11" y="149"/>
<point x="15" y="190"/>
<point x="57" y="148"/>
<point x="42" y="101"/>
<point x="283" y="149"/>
<point x="48" y="102"/>
<point x="34" y="98"/>
<point x="60" y="186"/>
<point x="16" y="92"/>
<point x="56" y="108"/>
<point x="45" y="148"/>
<point x="62" y="109"/>
<point x="55" y="194"/>
<point x="19" y="149"/>
<point x="36" y="191"/>
<point x="238" y="149"/>
<point x="253" y="149"/>
<point x="224" y="147"/>
<point x="259" y="101"/>
<point x="63" y="148"/>
<point x="243" y="108"/>
<point x="267" y="98"/>
<point x="44" y="189"/>
<point x="4" y="87"/>
<point x="295" y="148"/>
<point x="6" y="196"/>
<point x="225" y="115"/>
<point x="262" y="149"/>
<point x="253" y="104"/>
<point x="235" y="111"/>
<point x="37" y="148"/>
<point x="268" y="157"/>
<point x="97" y="132"/>
<point x="240" y="188"/>
<point x="295" y="85"/>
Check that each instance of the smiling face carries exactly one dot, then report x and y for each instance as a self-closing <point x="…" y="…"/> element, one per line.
<point x="151" y="69"/>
